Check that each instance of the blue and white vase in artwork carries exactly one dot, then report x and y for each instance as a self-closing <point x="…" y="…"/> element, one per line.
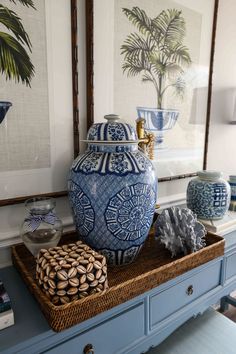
<point x="4" y="107"/>
<point x="113" y="191"/>
<point x="208" y="195"/>
<point x="158" y="121"/>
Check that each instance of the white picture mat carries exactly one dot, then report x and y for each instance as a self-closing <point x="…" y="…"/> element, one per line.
<point x="21" y="145"/>
<point x="189" y="158"/>
<point x="46" y="180"/>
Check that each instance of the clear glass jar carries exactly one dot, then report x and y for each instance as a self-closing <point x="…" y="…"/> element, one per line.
<point x="41" y="228"/>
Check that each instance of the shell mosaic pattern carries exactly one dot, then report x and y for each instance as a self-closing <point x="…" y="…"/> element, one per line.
<point x="129" y="213"/>
<point x="112" y="131"/>
<point x="208" y="200"/>
<point x="112" y="163"/>
<point x="179" y="230"/>
<point x="71" y="272"/>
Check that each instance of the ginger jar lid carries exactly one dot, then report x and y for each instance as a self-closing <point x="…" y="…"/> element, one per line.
<point x="209" y="175"/>
<point x="113" y="131"/>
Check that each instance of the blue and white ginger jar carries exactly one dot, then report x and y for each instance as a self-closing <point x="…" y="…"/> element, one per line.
<point x="113" y="191"/>
<point x="232" y="183"/>
<point x="208" y="195"/>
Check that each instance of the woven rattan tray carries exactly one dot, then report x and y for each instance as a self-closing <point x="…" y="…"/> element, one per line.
<point x="153" y="267"/>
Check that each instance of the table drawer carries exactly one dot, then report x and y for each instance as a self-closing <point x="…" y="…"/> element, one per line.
<point x="109" y="337"/>
<point x="173" y="298"/>
<point x="230" y="266"/>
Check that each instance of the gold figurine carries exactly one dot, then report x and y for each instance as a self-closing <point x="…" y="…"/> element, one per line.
<point x="146" y="140"/>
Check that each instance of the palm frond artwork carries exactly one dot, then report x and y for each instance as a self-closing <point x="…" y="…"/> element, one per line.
<point x="15" y="46"/>
<point x="156" y="51"/>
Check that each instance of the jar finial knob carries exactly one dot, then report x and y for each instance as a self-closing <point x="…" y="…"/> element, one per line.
<point x="112" y="118"/>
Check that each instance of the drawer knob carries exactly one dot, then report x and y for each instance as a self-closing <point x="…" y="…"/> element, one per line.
<point x="189" y="290"/>
<point x="88" y="349"/>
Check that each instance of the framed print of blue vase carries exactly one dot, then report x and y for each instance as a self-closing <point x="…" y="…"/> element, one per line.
<point x="208" y="195"/>
<point x="112" y="191"/>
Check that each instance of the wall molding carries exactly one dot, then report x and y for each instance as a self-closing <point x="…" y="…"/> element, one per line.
<point x="172" y="200"/>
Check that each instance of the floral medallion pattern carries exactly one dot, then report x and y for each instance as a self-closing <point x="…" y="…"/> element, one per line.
<point x="142" y="161"/>
<point x="93" y="132"/>
<point x="129" y="213"/>
<point x="82" y="209"/>
<point x="112" y="163"/>
<point x="118" y="163"/>
<point x="112" y="132"/>
<point x="90" y="164"/>
<point x="117" y="132"/>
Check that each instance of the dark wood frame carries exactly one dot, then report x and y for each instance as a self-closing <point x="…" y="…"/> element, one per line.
<point x="74" y="52"/>
<point x="90" y="74"/>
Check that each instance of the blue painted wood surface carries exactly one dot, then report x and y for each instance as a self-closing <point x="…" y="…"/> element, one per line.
<point x="211" y="333"/>
<point x="111" y="336"/>
<point x="230" y="241"/>
<point x="178" y="297"/>
<point x="231" y="266"/>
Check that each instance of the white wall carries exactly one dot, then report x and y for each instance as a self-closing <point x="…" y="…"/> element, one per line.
<point x="222" y="140"/>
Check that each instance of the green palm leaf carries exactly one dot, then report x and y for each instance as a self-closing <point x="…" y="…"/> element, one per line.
<point x="140" y="19"/>
<point x="137" y="49"/>
<point x="28" y="3"/>
<point x="173" y="70"/>
<point x="171" y="25"/>
<point x="158" y="64"/>
<point x="179" y="86"/>
<point x="13" y="23"/>
<point x="132" y="69"/>
<point x="14" y="60"/>
<point x="147" y="78"/>
<point x="179" y="54"/>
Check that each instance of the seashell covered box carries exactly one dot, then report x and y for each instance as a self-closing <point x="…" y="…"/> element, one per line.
<point x="71" y="272"/>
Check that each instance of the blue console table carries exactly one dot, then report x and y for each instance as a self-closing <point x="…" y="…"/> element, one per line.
<point x="130" y="328"/>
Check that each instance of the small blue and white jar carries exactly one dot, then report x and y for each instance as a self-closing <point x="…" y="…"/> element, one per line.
<point x="208" y="195"/>
<point x="232" y="183"/>
<point x="112" y="192"/>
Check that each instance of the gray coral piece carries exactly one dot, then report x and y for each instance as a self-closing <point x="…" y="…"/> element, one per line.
<point x="180" y="231"/>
